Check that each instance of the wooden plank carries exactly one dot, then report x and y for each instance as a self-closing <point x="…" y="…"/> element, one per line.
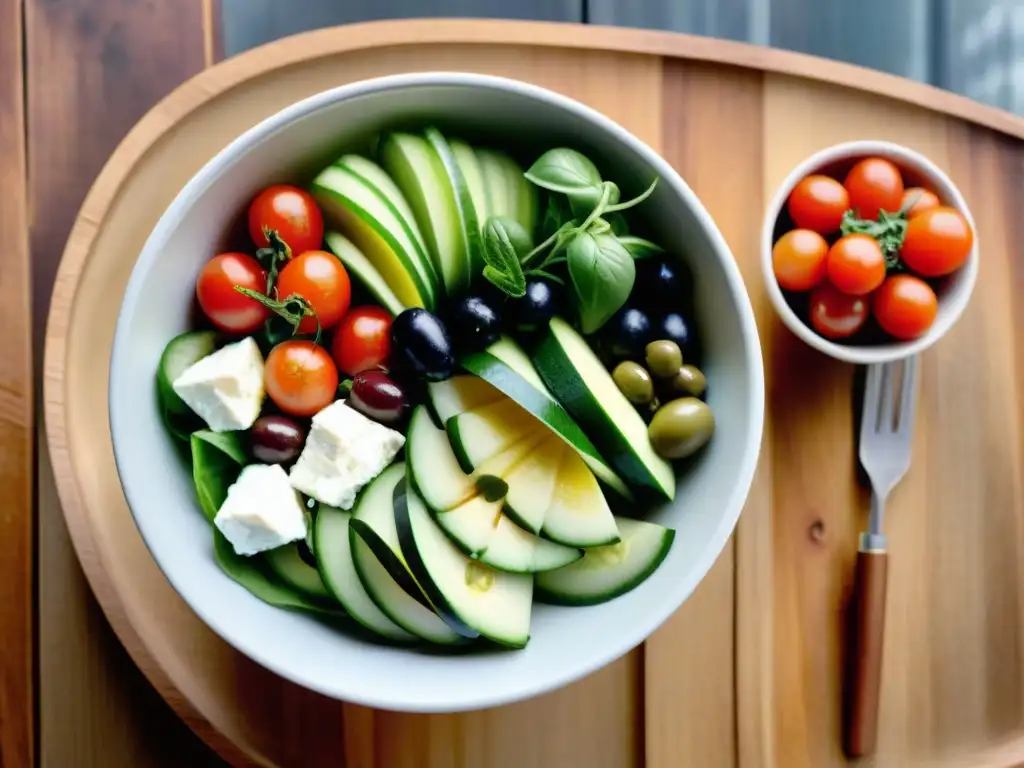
<point x="248" y="23"/>
<point x="17" y="699"/>
<point x="93" y="69"/>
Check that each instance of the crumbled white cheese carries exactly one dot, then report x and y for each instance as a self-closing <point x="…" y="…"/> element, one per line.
<point x="262" y="511"/>
<point x="226" y="388"/>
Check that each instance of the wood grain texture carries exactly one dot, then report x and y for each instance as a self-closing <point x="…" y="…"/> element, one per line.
<point x="17" y="657"/>
<point x="747" y="673"/>
<point x="93" y="70"/>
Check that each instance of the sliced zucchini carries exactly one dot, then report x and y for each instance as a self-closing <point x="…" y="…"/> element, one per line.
<point x="470" y="595"/>
<point x="333" y="549"/>
<point x="531" y="485"/>
<point x="459" y="394"/>
<point x="493" y="169"/>
<point x="381" y="566"/>
<point x="484" y="432"/>
<point x="607" y="572"/>
<point x="364" y="215"/>
<point x="180" y="354"/>
<point x="522" y="195"/>
<point x="358" y="265"/>
<point x="289" y="566"/>
<point x="578" y="515"/>
<point x="505" y="365"/>
<point x="465" y="203"/>
<point x="584" y="386"/>
<point x="470" y="167"/>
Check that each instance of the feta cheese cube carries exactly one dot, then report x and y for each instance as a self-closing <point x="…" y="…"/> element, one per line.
<point x="343" y="452"/>
<point x="226" y="388"/>
<point x="262" y="511"/>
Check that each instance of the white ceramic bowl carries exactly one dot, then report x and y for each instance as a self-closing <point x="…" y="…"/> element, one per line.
<point x="566" y="643"/>
<point x="953" y="291"/>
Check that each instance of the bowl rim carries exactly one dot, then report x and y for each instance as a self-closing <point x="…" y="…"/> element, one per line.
<point x="948" y="192"/>
<point x="587" y="660"/>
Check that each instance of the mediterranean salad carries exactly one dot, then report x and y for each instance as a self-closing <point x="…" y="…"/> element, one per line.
<point x="432" y="387"/>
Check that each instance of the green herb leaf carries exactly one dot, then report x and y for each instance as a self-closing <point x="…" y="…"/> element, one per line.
<point x="564" y="170"/>
<point x="890" y="230"/>
<point x="584" y="202"/>
<point x="617" y="206"/>
<point x="508" y="285"/>
<point x="556" y="213"/>
<point x="505" y="243"/>
<point x="639" y="248"/>
<point x="602" y="274"/>
<point x="273" y="257"/>
<point x="217" y="460"/>
<point x="345" y="388"/>
<point x="545" y="274"/>
<point x="618" y="223"/>
<point x="293" y="309"/>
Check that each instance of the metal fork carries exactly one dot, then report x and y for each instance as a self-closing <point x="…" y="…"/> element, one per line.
<point x="886" y="430"/>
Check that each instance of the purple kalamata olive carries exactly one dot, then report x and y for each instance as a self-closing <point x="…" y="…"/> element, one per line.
<point x="378" y="397"/>
<point x="276" y="439"/>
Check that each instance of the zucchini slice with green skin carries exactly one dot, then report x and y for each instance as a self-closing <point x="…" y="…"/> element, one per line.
<point x="505" y="365"/>
<point x="472" y="597"/>
<point x="338" y="571"/>
<point x="381" y="567"/>
<point x="605" y="573"/>
<point x="578" y="515"/>
<point x="584" y="386"/>
<point x="481" y="434"/>
<point x="459" y="394"/>
<point x="358" y="265"/>
<point x="363" y="214"/>
<point x="289" y="566"/>
<point x="181" y="352"/>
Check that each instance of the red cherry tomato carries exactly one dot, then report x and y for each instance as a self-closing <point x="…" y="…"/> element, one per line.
<point x="856" y="264"/>
<point x="834" y="314"/>
<point x="292" y="212"/>
<point x="322" y="280"/>
<point x="798" y="259"/>
<point x="818" y="203"/>
<point x="228" y="309"/>
<point x="874" y="184"/>
<point x="938" y="242"/>
<point x="363" y="340"/>
<point x="919" y="200"/>
<point x="300" y="377"/>
<point x="905" y="306"/>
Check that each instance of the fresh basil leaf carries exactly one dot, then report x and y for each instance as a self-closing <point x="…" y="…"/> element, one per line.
<point x="585" y="201"/>
<point x="564" y="170"/>
<point x="506" y="284"/>
<point x="217" y="460"/>
<point x="505" y="243"/>
<point x="556" y="213"/>
<point x="639" y="248"/>
<point x="602" y="274"/>
<point x="618" y="223"/>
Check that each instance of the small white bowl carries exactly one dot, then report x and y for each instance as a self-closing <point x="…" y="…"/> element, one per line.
<point x="565" y="643"/>
<point x="953" y="291"/>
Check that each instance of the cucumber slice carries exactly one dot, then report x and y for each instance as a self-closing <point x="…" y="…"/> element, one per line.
<point x="470" y="167"/>
<point x="505" y="365"/>
<point x="289" y="566"/>
<point x="514" y="550"/>
<point x="470" y="595"/>
<point x="465" y="206"/>
<point x="605" y="573"/>
<point x="522" y="195"/>
<point x="180" y="354"/>
<point x="531" y="485"/>
<point x="493" y="170"/>
<point x="422" y="176"/>
<point x="360" y="211"/>
<point x="578" y="515"/>
<point x="334" y="557"/>
<point x="459" y="394"/>
<point x="357" y="264"/>
<point x="484" y="432"/>
<point x="381" y="566"/>
<point x="585" y="387"/>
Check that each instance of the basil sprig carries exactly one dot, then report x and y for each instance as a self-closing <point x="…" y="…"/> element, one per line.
<point x="583" y="228"/>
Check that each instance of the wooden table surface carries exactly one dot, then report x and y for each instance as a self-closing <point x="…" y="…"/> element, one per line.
<point x="69" y="694"/>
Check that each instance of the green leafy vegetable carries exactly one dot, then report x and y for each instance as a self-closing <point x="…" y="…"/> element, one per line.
<point x="617" y="206"/>
<point x="564" y="170"/>
<point x="556" y="214"/>
<point x="602" y="274"/>
<point x="292" y="309"/>
<point x="502" y="260"/>
<point x="617" y="222"/>
<point x="889" y="230"/>
<point x="585" y="201"/>
<point x="273" y="256"/>
<point x="639" y="248"/>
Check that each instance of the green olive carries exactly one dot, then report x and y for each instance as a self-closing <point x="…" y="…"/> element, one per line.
<point x="680" y="428"/>
<point x="688" y="381"/>
<point x="634" y="382"/>
<point x="663" y="358"/>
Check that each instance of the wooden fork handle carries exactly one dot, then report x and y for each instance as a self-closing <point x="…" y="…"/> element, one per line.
<point x="865" y="652"/>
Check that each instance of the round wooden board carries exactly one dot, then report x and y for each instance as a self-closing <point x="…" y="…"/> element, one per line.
<point x="697" y="101"/>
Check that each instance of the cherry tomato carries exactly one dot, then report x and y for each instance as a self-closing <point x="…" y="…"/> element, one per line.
<point x="919" y="199"/>
<point x="292" y="212"/>
<point x="322" y="280"/>
<point x="228" y="309"/>
<point x="798" y="259"/>
<point x="938" y="242"/>
<point x="905" y="306"/>
<point x="874" y="184"/>
<point x="834" y="314"/>
<point x="363" y="340"/>
<point x="300" y="377"/>
<point x="856" y="264"/>
<point x="818" y="203"/>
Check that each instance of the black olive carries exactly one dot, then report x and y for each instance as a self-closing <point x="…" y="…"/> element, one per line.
<point x="675" y="327"/>
<point x="475" y="322"/>
<point x="535" y="310"/>
<point x="628" y="333"/>
<point x="276" y="439"/>
<point x="663" y="286"/>
<point x="420" y="345"/>
<point x="379" y="397"/>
